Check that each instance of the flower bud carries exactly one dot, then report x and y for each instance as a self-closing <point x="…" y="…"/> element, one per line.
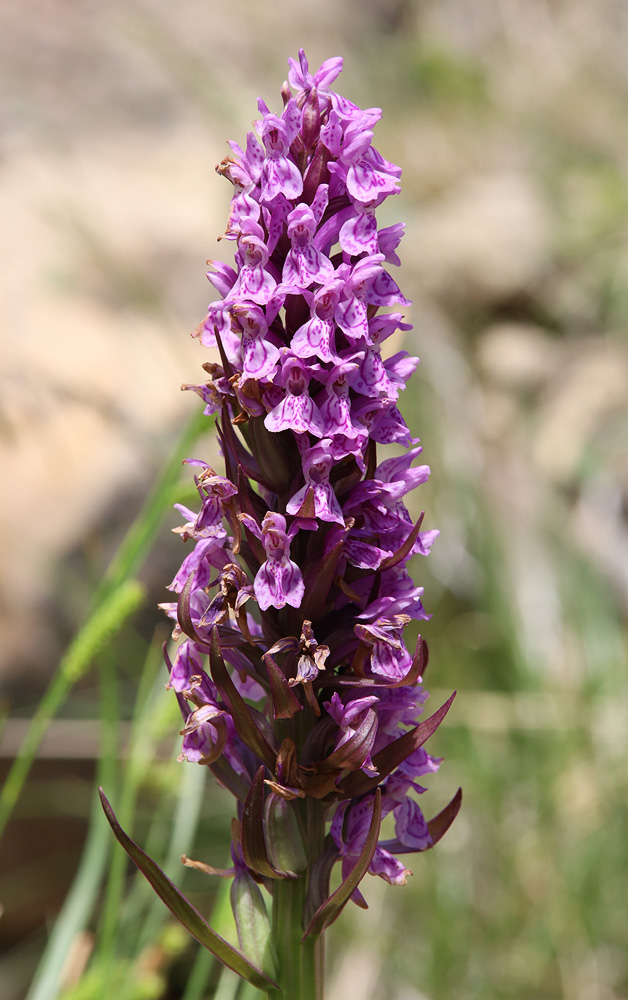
<point x="311" y="120"/>
<point x="284" y="838"/>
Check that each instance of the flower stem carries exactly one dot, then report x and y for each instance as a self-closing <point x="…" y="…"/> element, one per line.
<point x="300" y="964"/>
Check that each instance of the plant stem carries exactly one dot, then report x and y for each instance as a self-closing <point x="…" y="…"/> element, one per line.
<point x="300" y="964"/>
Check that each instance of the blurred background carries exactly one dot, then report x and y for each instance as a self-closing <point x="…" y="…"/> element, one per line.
<point x="510" y="120"/>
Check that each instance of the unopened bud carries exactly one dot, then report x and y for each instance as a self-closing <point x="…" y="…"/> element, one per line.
<point x="317" y="173"/>
<point x="311" y="120"/>
<point x="286" y="93"/>
<point x="284" y="838"/>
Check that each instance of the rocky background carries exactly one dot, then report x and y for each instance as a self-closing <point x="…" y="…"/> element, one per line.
<point x="510" y="120"/>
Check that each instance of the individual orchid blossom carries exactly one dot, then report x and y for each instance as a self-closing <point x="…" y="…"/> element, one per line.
<point x="297" y="410"/>
<point x="294" y="601"/>
<point x="317" y="465"/>
<point x="259" y="355"/>
<point x="279" y="580"/>
<point x="316" y="338"/>
<point x="304" y="263"/>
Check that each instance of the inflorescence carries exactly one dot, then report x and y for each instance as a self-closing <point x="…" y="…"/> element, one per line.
<point x="294" y="680"/>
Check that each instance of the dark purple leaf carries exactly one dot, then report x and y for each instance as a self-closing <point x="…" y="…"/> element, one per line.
<point x="318" y="579"/>
<point x="439" y="825"/>
<point x="403" y="549"/>
<point x="437" y="828"/>
<point x="225" y="774"/>
<point x="226" y="364"/>
<point x="285" y="702"/>
<point x="251" y="503"/>
<point x="184" y="616"/>
<point x="307" y="508"/>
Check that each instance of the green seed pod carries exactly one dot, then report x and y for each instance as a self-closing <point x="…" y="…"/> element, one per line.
<point x="252" y="922"/>
<point x="284" y="838"/>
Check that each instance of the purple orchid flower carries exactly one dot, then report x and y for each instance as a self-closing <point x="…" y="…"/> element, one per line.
<point x="317" y="465"/>
<point x="279" y="580"/>
<point x="253" y="283"/>
<point x="280" y="176"/>
<point x="304" y="263"/>
<point x="349" y="832"/>
<point x="302" y="80"/>
<point x="297" y="410"/>
<point x="316" y="338"/>
<point x="260" y="356"/>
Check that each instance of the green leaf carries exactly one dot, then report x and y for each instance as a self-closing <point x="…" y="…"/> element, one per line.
<point x="105" y="622"/>
<point x="183" y="910"/>
<point x="252" y="923"/>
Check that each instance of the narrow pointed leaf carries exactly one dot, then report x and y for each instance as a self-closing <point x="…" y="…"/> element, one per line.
<point x="253" y="843"/>
<point x="251" y="503"/>
<point x="307" y="508"/>
<point x="439" y="825"/>
<point x="272" y="451"/>
<point x="416" y="667"/>
<point x="183" y="910"/>
<point x="248" y="731"/>
<point x="239" y="454"/>
<point x="184" y="616"/>
<point x="227" y="776"/>
<point x="226" y="364"/>
<point x="318" y="580"/>
<point x="405" y="548"/>
<point x="387" y="759"/>
<point x="231" y="460"/>
<point x="285" y="702"/>
<point x="371" y="460"/>
<point x="254" y="510"/>
<point x="331" y="909"/>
